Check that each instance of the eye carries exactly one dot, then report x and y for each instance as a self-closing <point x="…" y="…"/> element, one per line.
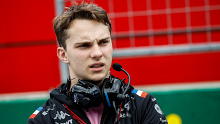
<point x="104" y="42"/>
<point x="83" y="45"/>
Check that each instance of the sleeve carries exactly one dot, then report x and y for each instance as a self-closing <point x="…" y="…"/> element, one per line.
<point x="32" y="121"/>
<point x="151" y="112"/>
<point x="42" y="115"/>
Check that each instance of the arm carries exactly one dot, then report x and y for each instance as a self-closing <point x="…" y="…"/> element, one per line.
<point x="151" y="112"/>
<point x="32" y="121"/>
<point x="42" y="114"/>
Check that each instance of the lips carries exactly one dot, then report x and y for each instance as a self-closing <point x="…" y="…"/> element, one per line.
<point x="97" y="65"/>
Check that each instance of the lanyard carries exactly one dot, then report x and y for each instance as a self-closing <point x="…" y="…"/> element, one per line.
<point x="74" y="115"/>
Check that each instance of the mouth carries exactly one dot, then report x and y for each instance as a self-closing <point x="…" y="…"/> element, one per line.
<point x="97" y="65"/>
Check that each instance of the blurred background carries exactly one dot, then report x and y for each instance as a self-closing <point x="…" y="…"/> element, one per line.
<point x="171" y="49"/>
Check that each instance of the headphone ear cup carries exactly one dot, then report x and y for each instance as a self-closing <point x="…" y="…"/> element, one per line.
<point x="111" y="89"/>
<point x="86" y="94"/>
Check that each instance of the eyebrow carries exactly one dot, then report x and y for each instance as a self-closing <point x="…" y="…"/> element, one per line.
<point x="105" y="38"/>
<point x="88" y="42"/>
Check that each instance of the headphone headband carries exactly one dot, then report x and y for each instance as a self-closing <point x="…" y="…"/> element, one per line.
<point x="88" y="95"/>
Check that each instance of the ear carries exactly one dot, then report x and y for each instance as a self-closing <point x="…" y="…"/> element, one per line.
<point x="61" y="53"/>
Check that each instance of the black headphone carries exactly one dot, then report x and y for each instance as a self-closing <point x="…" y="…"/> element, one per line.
<point x="111" y="90"/>
<point x="87" y="94"/>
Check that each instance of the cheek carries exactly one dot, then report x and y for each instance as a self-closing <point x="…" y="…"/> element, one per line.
<point x="74" y="58"/>
<point x="109" y="50"/>
<point x="108" y="53"/>
<point x="78" y="58"/>
<point x="76" y="62"/>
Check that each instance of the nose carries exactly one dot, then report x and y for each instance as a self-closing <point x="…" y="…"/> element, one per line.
<point x="96" y="52"/>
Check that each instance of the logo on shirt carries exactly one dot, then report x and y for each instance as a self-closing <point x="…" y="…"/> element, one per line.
<point x="125" y="110"/>
<point x="153" y="99"/>
<point x="61" y="115"/>
<point x="46" y="112"/>
<point x="68" y="122"/>
<point x="157" y="108"/>
<point x="163" y="120"/>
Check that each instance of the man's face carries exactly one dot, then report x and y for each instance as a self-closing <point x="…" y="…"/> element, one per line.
<point x="88" y="50"/>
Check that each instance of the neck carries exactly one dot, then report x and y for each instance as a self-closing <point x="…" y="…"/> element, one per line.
<point x="74" y="81"/>
<point x="97" y="83"/>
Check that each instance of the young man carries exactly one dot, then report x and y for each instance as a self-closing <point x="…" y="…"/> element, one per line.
<point x="91" y="94"/>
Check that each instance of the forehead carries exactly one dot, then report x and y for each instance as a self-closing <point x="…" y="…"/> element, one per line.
<point x="82" y="29"/>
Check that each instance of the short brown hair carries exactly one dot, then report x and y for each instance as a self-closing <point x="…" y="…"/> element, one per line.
<point x="83" y="11"/>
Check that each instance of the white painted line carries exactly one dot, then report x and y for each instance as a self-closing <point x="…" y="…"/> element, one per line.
<point x="148" y="88"/>
<point x="24" y="96"/>
<point x="178" y="87"/>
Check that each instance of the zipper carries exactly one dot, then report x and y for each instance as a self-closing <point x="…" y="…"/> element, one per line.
<point x="103" y="120"/>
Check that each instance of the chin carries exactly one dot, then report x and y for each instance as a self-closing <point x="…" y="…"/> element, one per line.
<point x="99" y="77"/>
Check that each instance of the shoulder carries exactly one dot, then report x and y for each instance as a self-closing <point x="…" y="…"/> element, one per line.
<point x="43" y="113"/>
<point x="142" y="98"/>
<point x="147" y="106"/>
<point x="139" y="93"/>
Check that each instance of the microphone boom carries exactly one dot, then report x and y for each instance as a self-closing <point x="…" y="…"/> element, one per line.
<point x="118" y="67"/>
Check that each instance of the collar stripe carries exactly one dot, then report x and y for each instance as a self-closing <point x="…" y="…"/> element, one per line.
<point x="139" y="93"/>
<point x="36" y="112"/>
